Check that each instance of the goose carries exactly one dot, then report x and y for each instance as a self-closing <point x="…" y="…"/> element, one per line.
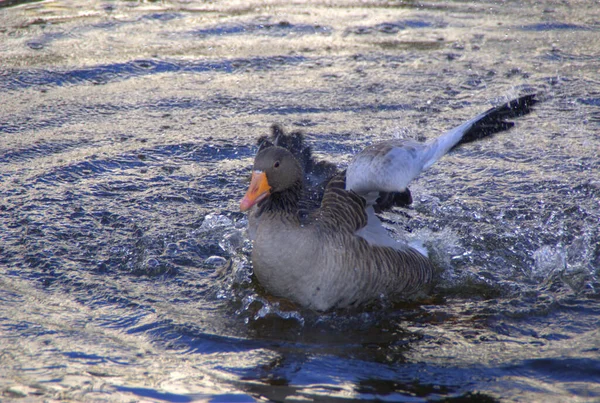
<point x="316" y="237"/>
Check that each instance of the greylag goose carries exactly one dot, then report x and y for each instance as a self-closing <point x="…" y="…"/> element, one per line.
<point x="337" y="254"/>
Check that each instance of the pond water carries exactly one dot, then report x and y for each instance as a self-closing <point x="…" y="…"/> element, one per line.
<point x="127" y="133"/>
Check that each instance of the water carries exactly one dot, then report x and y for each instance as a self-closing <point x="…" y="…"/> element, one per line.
<point x="127" y="130"/>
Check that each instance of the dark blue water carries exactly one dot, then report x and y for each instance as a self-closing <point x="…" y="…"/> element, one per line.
<point x="127" y="132"/>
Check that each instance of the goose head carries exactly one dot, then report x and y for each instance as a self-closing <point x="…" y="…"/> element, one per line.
<point x="275" y="171"/>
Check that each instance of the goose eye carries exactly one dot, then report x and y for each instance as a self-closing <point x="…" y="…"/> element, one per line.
<point x="276" y="164"/>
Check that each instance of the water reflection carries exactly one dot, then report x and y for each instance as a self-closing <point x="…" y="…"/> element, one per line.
<point x="126" y="145"/>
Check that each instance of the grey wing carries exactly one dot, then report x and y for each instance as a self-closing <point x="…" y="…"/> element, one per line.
<point x="342" y="209"/>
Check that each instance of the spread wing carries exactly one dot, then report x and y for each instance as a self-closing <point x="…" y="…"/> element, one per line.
<point x="389" y="166"/>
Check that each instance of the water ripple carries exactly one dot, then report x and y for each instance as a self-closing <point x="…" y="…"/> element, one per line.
<point x="281" y="28"/>
<point x="11" y="80"/>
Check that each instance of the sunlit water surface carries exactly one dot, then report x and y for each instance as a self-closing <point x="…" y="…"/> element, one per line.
<point x="127" y="130"/>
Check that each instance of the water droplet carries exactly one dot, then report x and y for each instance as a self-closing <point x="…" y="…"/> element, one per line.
<point x="547" y="259"/>
<point x="212" y="221"/>
<point x="215" y="261"/>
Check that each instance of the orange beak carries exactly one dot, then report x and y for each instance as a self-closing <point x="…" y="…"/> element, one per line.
<point x="259" y="189"/>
